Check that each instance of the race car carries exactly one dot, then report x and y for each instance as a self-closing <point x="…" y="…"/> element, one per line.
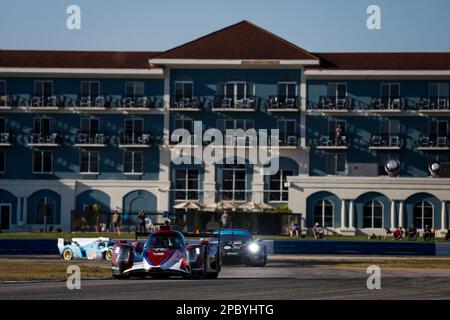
<point x="90" y="248"/>
<point x="167" y="252"/>
<point x="238" y="247"/>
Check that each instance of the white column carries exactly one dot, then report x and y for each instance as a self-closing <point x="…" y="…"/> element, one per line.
<point x="392" y="214"/>
<point x="258" y="184"/>
<point x="164" y="154"/>
<point x="401" y="214"/>
<point x="351" y="216"/>
<point x="302" y="109"/>
<point x="443" y="216"/>
<point x="343" y="219"/>
<point x="209" y="185"/>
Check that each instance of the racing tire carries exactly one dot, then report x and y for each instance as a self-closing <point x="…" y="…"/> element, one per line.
<point x="108" y="255"/>
<point x="212" y="275"/>
<point x="67" y="254"/>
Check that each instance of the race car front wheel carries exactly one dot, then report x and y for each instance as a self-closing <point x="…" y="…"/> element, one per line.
<point x="67" y="254"/>
<point x="108" y="255"/>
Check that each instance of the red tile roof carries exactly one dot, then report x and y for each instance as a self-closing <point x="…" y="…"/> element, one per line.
<point x="243" y="40"/>
<point x="75" y="59"/>
<point x="385" y="61"/>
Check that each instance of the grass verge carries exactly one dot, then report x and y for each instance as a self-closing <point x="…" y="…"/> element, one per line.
<point x="30" y="271"/>
<point x="408" y="264"/>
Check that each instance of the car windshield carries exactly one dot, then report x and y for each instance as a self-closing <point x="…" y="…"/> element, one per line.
<point x="166" y="241"/>
<point x="229" y="238"/>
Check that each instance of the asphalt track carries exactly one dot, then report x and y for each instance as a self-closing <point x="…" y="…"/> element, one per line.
<point x="282" y="280"/>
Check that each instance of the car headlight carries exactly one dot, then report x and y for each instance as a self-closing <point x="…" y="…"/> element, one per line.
<point x="197" y="251"/>
<point x="254" y="248"/>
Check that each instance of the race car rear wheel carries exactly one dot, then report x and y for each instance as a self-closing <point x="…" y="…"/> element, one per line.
<point x="67" y="254"/>
<point x="108" y="255"/>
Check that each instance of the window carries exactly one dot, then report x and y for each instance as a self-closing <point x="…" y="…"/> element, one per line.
<point x="133" y="162"/>
<point x="423" y="214"/>
<point x="389" y="128"/>
<point x="244" y="124"/>
<point x="2" y="125"/>
<point x="438" y="90"/>
<point x="373" y="215"/>
<point x="287" y="129"/>
<point x="90" y="89"/>
<point x="238" y="90"/>
<point x="234" y="182"/>
<point x="89" y="162"/>
<point x="134" y="89"/>
<point x="90" y="126"/>
<point x="278" y="186"/>
<point x="186" y="184"/>
<point x="2" y="162"/>
<point x="42" y="162"/>
<point x="336" y="163"/>
<point x="46" y="211"/>
<point x="43" y="88"/>
<point x="187" y="124"/>
<point x="323" y="213"/>
<point x="287" y="90"/>
<point x="389" y="92"/>
<point x="333" y="125"/>
<point x="3" y="93"/>
<point x="437" y="129"/>
<point x="183" y="90"/>
<point x="337" y="91"/>
<point x="134" y="127"/>
<point x="42" y="126"/>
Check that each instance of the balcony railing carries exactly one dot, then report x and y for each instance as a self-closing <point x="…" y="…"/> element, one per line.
<point x="433" y="142"/>
<point x="385" y="141"/>
<point x="386" y="103"/>
<point x="332" y="103"/>
<point x="6" y="139"/>
<point x="4" y="101"/>
<point x="186" y="103"/>
<point x="331" y="141"/>
<point x="44" y="102"/>
<point x="92" y="102"/>
<point x="283" y="102"/>
<point x="41" y="139"/>
<point x="225" y="103"/>
<point x="433" y="104"/>
<point x="91" y="139"/>
<point x="135" y="140"/>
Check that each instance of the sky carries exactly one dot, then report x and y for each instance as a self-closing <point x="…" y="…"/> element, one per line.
<point x="149" y="25"/>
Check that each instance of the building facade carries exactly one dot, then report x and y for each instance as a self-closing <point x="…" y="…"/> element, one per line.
<point x="363" y="137"/>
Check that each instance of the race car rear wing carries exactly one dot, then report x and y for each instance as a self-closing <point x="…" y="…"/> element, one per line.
<point x="186" y="234"/>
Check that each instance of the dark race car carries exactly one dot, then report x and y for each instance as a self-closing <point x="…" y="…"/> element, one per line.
<point x="166" y="253"/>
<point x="239" y="247"/>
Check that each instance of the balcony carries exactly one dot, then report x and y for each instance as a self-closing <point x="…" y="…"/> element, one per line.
<point x="331" y="142"/>
<point x="434" y="106"/>
<point x="139" y="103"/>
<point x="44" y="140"/>
<point x="89" y="140"/>
<point x="139" y="141"/>
<point x="186" y="104"/>
<point x="386" y="105"/>
<point x="222" y="103"/>
<point x="92" y="103"/>
<point x="330" y="105"/>
<point x="283" y="104"/>
<point x="385" y="142"/>
<point x="427" y="143"/>
<point x="44" y="103"/>
<point x="6" y="139"/>
<point x="5" y="103"/>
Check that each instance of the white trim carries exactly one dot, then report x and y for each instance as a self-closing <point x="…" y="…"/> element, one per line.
<point x="376" y="73"/>
<point x="246" y="62"/>
<point x="84" y="71"/>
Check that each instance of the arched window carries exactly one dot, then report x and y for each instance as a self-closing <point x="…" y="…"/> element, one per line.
<point x="45" y="211"/>
<point x="323" y="213"/>
<point x="373" y="214"/>
<point x="423" y="214"/>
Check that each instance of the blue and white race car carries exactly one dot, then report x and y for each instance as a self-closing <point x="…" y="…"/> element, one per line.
<point x="90" y="248"/>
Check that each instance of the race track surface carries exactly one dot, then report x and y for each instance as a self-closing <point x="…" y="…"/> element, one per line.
<point x="278" y="280"/>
